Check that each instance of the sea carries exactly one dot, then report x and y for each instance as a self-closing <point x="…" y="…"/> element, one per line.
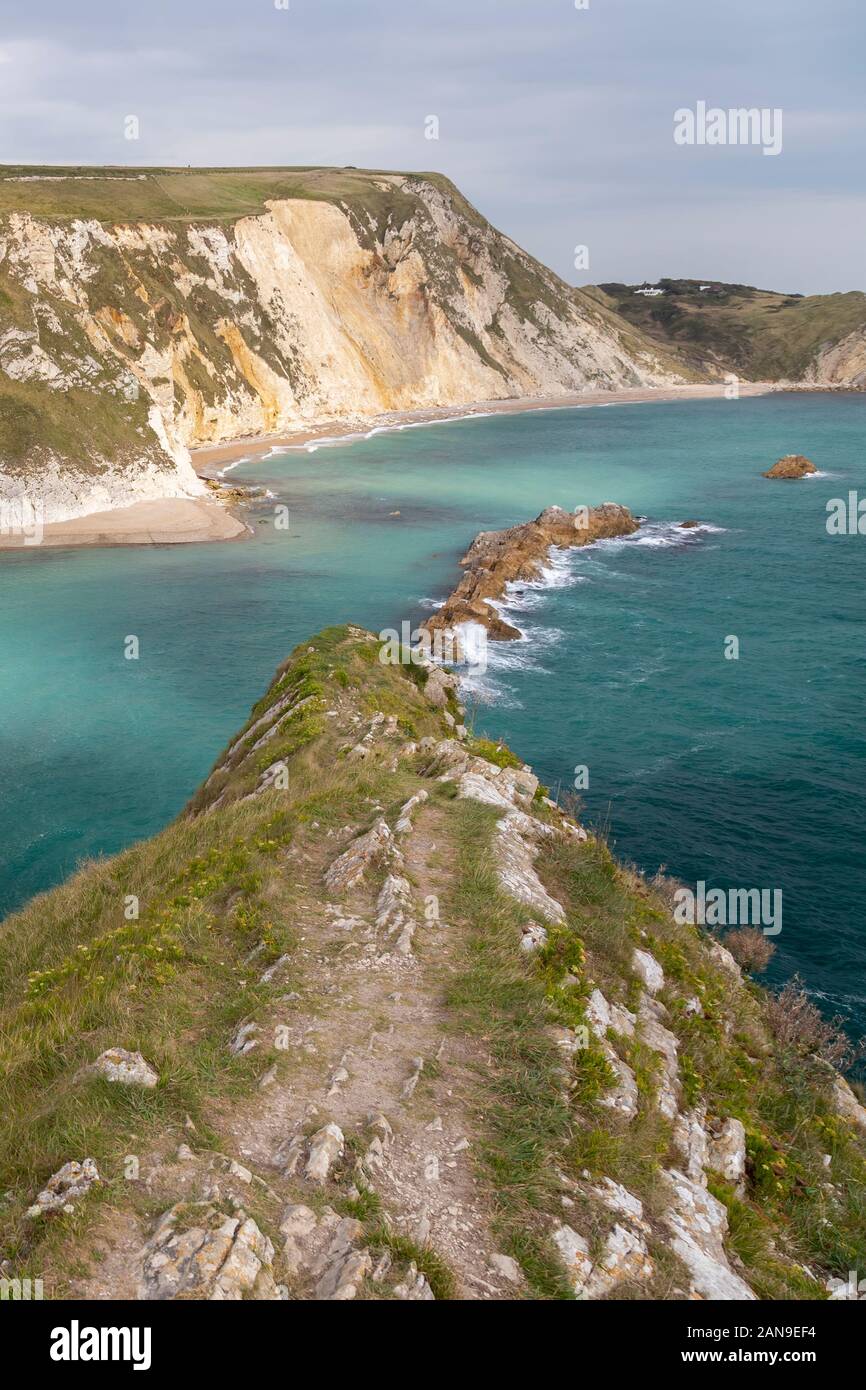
<point x="700" y="689"/>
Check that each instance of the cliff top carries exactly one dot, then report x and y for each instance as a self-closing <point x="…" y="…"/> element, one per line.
<point x="120" y="193"/>
<point x="375" y="1018"/>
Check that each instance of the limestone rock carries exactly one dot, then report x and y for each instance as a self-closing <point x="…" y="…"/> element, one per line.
<point x="394" y="912"/>
<point x="533" y="936"/>
<point x="624" y="1258"/>
<point x="506" y="1267"/>
<point x="65" y="1187"/>
<point x="624" y="1097"/>
<point x="727" y="1152"/>
<point x="244" y="1040"/>
<point x="698" y="1224"/>
<point x="404" y="820"/>
<point x="666" y="1044"/>
<point x="648" y="971"/>
<point x="601" y="1015"/>
<point x="349" y="868"/>
<point x="723" y="958"/>
<point x="619" y="1200"/>
<point x="475" y="786"/>
<point x="126" y="1068"/>
<point x="414" y="1287"/>
<point x="326" y="1146"/>
<point x="325" y="1252"/>
<point x="217" y="1257"/>
<point x="847" y="1103"/>
<point x="515" y="846"/>
<point x="690" y="1139"/>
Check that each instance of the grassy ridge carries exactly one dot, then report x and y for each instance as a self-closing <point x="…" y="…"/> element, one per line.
<point x="759" y="334"/>
<point x="179" y="195"/>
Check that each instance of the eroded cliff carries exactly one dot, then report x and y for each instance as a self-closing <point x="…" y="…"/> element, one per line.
<point x="124" y="343"/>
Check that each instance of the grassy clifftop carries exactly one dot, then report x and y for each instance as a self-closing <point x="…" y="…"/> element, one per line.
<point x="414" y="1033"/>
<point x="759" y="334"/>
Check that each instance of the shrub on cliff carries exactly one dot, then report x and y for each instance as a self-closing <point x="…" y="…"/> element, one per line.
<point x="750" y="949"/>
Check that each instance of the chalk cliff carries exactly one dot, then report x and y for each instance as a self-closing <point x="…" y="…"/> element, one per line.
<point x="127" y="340"/>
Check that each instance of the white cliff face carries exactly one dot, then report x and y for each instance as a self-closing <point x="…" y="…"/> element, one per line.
<point x="189" y="334"/>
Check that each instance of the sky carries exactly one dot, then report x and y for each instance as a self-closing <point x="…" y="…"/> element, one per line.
<point x="557" y="122"/>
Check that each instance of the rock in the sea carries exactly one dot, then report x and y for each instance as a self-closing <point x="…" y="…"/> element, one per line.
<point x="497" y="558"/>
<point x="65" y="1187"/>
<point x="127" y="1068"/>
<point x="791" y="466"/>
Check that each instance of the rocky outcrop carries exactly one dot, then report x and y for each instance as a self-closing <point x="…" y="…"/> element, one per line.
<point x="496" y="559"/>
<point x="791" y="466"/>
<point x="197" y="1251"/>
<point x="71" y="1182"/>
<point x="421" y="986"/>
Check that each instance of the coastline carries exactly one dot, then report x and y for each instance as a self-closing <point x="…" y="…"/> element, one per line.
<point x="187" y="520"/>
<point x="162" y="521"/>
<point x="211" y="461"/>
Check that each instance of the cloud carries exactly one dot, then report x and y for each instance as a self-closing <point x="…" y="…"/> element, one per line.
<point x="552" y="120"/>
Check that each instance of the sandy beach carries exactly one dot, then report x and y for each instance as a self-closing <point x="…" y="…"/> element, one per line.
<point x="184" y="521"/>
<point x="166" y="521"/>
<point x="210" y="461"/>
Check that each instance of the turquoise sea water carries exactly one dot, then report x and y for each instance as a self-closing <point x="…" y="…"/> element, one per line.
<point x="748" y="773"/>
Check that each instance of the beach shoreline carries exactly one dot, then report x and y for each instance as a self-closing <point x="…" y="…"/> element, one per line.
<point x="206" y="520"/>
<point x="213" y="460"/>
<point x="160" y="521"/>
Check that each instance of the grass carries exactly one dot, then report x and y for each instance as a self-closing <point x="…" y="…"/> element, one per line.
<point x="759" y="334"/>
<point x="76" y="977"/>
<point x="496" y="997"/>
<point x="404" y="1252"/>
<point x="175" y="983"/>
